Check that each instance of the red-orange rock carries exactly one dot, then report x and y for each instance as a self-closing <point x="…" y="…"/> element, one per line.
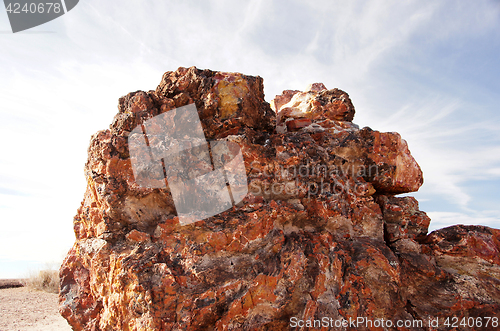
<point x="320" y="233"/>
<point x="137" y="236"/>
<point x="317" y="104"/>
<point x="225" y="101"/>
<point x="457" y="275"/>
<point x="402" y="218"/>
<point x="294" y="125"/>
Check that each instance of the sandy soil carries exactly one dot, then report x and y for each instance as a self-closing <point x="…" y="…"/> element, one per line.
<point x="23" y="309"/>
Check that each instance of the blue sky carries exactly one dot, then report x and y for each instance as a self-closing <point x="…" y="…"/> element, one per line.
<point x="428" y="70"/>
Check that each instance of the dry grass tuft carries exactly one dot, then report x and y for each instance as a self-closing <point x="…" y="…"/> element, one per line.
<point x="44" y="280"/>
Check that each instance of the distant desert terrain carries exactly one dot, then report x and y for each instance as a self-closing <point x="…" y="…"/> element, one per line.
<point x="25" y="309"/>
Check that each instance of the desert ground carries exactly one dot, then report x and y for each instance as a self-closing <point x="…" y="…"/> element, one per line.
<point x="25" y="309"/>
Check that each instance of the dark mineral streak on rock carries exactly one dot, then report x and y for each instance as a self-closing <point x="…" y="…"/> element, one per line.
<point x="320" y="234"/>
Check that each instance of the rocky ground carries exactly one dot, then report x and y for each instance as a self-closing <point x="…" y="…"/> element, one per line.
<point x="24" y="309"/>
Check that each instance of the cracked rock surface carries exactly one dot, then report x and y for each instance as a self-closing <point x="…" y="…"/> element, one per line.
<point x="321" y="232"/>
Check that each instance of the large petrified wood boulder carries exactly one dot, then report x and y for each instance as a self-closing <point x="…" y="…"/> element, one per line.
<point x="319" y="235"/>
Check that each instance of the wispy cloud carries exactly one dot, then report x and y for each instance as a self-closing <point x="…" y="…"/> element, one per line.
<point x="449" y="151"/>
